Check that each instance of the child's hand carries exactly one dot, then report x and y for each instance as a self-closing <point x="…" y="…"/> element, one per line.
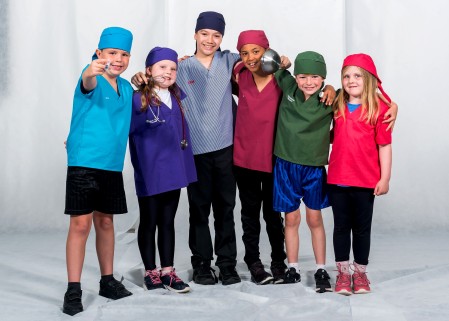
<point x="285" y="63"/>
<point x="138" y="79"/>
<point x="236" y="71"/>
<point x="97" y="67"/>
<point x="328" y="95"/>
<point x="381" y="188"/>
<point x="391" y="115"/>
<point x="183" y="58"/>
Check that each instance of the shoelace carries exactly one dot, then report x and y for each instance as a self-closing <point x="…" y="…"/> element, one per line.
<point x="173" y="277"/>
<point x="359" y="276"/>
<point x="154" y="276"/>
<point x="343" y="279"/>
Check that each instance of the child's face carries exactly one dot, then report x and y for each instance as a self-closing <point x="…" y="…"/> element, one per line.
<point x="207" y="41"/>
<point x="118" y="60"/>
<point x="352" y="81"/>
<point x="309" y="84"/>
<point x="163" y="73"/>
<point x="251" y="55"/>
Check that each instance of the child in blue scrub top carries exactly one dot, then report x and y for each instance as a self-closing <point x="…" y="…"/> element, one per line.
<point x="96" y="151"/>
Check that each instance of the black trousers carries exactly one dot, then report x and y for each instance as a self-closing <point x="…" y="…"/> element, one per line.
<point x="215" y="187"/>
<point x="157" y="211"/>
<point x="256" y="192"/>
<point x="353" y="213"/>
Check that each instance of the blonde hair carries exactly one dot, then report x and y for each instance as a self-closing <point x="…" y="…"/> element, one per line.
<point x="370" y="104"/>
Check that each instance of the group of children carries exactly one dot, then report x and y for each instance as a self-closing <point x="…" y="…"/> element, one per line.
<point x="180" y="124"/>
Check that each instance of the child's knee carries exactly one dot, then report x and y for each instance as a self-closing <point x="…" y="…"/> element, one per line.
<point x="292" y="219"/>
<point x="315" y="221"/>
<point x="104" y="222"/>
<point x="80" y="227"/>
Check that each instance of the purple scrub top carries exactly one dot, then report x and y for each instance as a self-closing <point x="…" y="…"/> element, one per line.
<point x="160" y="164"/>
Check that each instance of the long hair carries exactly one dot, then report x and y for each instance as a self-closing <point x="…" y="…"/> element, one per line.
<point x="150" y="97"/>
<point x="370" y="104"/>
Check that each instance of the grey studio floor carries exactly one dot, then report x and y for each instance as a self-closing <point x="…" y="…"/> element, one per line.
<point x="409" y="274"/>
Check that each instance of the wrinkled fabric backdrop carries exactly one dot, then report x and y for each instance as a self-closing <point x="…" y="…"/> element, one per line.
<point x="46" y="43"/>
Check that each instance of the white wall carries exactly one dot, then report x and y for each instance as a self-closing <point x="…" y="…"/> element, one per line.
<point x="48" y="42"/>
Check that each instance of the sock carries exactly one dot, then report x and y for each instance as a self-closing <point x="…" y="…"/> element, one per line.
<point x="107" y="278"/>
<point x="294" y="265"/>
<point x="166" y="270"/>
<point x="74" y="285"/>
<point x="343" y="267"/>
<point x="359" y="268"/>
<point x="320" y="266"/>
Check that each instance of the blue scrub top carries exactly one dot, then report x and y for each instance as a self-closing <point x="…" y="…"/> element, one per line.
<point x="100" y="125"/>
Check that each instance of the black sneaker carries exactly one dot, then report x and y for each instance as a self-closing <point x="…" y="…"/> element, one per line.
<point x="152" y="280"/>
<point x="113" y="290"/>
<point x="291" y="276"/>
<point x="72" y="302"/>
<point x="204" y="274"/>
<point x="173" y="282"/>
<point x="322" y="281"/>
<point x="228" y="275"/>
<point x="259" y="275"/>
<point x="278" y="270"/>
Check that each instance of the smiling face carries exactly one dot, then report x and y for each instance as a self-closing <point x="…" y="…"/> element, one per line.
<point x="251" y="55"/>
<point x="163" y="73"/>
<point x="309" y="84"/>
<point x="118" y="60"/>
<point x="207" y="42"/>
<point x="353" y="83"/>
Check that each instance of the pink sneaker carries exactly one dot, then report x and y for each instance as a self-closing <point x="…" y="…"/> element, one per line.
<point x="343" y="283"/>
<point x="359" y="279"/>
<point x="360" y="283"/>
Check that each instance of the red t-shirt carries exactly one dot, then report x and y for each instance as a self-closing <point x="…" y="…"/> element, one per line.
<point x="354" y="159"/>
<point x="255" y="123"/>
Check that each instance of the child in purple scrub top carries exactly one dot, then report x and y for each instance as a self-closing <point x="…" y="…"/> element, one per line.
<point x="162" y="158"/>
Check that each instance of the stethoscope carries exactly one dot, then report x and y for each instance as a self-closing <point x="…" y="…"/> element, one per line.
<point x="157" y="119"/>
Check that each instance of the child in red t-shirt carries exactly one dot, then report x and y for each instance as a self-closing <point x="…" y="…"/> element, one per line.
<point x="359" y="168"/>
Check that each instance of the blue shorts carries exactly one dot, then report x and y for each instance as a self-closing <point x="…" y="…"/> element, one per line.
<point x="293" y="182"/>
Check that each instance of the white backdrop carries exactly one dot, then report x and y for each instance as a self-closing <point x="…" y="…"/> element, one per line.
<point x="46" y="43"/>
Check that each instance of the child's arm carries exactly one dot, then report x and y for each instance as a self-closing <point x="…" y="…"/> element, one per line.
<point x="328" y="95"/>
<point x="391" y="114"/>
<point x="285" y="63"/>
<point x="385" y="158"/>
<point x="97" y="67"/>
<point x="139" y="79"/>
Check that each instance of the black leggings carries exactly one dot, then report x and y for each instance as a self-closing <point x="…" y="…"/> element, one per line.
<point x="157" y="211"/>
<point x="353" y="212"/>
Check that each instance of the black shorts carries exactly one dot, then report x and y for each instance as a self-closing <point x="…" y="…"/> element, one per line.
<point x="90" y="189"/>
